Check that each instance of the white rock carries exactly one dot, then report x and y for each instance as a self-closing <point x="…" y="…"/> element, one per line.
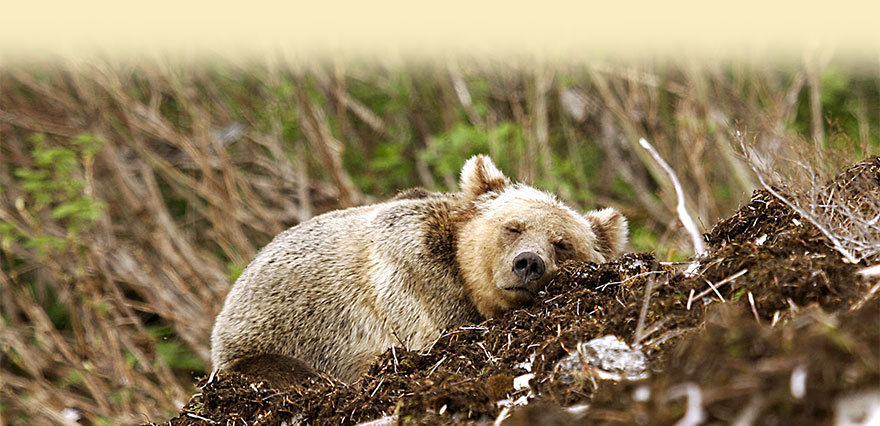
<point x="608" y="357"/>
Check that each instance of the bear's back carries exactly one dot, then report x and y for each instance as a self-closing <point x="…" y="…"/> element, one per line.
<point x="338" y="288"/>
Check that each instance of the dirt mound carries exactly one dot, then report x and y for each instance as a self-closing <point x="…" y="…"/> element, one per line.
<point x="771" y="324"/>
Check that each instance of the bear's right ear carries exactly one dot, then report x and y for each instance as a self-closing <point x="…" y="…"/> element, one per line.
<point x="611" y="231"/>
<point x="479" y="176"/>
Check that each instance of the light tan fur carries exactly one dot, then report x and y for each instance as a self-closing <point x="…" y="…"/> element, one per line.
<point x="340" y="288"/>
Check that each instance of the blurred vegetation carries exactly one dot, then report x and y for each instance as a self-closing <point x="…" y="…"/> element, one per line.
<point x="132" y="195"/>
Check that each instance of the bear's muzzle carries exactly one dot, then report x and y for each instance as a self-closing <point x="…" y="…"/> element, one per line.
<point x="528" y="267"/>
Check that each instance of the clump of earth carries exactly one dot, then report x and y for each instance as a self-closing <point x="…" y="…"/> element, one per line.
<point x="771" y="326"/>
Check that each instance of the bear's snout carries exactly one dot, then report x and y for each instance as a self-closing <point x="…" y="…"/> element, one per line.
<point x="528" y="266"/>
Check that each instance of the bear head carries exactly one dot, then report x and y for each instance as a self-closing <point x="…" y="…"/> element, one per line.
<point x="513" y="237"/>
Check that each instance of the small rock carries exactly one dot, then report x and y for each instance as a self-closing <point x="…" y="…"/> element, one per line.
<point x="608" y="358"/>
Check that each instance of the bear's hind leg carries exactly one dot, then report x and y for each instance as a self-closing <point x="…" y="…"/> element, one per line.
<point x="279" y="371"/>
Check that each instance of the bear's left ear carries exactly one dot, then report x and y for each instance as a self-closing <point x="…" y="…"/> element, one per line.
<point x="611" y="231"/>
<point x="479" y="176"/>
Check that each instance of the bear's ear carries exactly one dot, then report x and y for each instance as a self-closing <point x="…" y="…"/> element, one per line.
<point x="611" y="231"/>
<point x="479" y="176"/>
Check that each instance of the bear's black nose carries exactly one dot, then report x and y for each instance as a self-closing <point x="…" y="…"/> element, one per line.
<point x="528" y="266"/>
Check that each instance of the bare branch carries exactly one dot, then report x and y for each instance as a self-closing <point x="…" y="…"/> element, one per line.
<point x="680" y="208"/>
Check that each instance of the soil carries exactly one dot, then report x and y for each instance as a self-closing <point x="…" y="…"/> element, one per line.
<point x="769" y="306"/>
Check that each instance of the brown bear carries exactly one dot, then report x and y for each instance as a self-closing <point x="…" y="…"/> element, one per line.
<point x="334" y="291"/>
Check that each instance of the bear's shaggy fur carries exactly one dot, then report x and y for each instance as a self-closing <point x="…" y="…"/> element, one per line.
<point x="333" y="292"/>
